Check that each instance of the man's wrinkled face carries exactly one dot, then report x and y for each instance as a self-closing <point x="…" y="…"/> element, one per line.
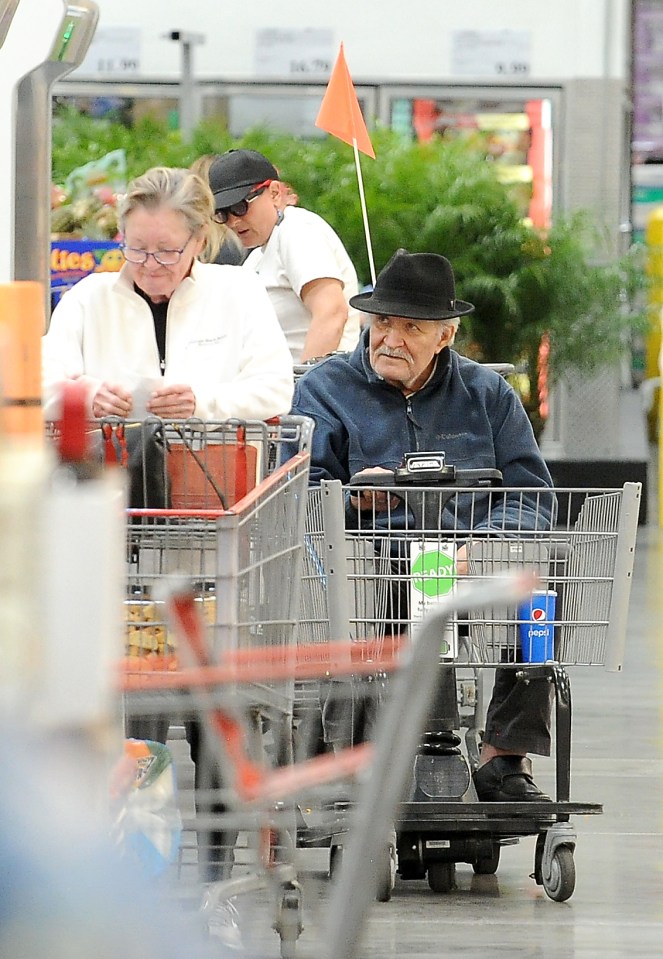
<point x="403" y="351"/>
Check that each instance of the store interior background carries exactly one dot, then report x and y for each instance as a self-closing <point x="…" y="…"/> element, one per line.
<point x="568" y="98"/>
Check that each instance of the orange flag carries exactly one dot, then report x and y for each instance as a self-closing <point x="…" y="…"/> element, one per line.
<point x="340" y="113"/>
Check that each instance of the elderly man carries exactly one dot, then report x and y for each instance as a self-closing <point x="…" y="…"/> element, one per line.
<point x="404" y="389"/>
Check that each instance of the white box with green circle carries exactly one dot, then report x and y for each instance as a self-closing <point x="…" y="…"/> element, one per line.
<point x="433" y="577"/>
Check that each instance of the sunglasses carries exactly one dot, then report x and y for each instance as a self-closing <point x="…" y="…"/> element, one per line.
<point x="241" y="208"/>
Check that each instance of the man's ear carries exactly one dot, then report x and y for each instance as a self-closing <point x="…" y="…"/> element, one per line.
<point x="447" y="336"/>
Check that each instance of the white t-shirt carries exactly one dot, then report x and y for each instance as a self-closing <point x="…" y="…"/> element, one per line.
<point x="302" y="248"/>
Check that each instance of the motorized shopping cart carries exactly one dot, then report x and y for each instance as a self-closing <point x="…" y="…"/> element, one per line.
<point x="400" y="562"/>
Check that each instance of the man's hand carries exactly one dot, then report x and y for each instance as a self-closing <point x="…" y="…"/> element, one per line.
<point x="175" y="401"/>
<point x="461" y="560"/>
<point x="111" y="400"/>
<point x="376" y="499"/>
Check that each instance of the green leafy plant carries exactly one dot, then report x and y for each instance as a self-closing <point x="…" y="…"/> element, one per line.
<point x="444" y="197"/>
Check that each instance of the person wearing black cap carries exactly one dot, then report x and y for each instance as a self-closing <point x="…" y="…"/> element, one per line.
<point x="405" y="389"/>
<point x="302" y="262"/>
<point x="223" y="245"/>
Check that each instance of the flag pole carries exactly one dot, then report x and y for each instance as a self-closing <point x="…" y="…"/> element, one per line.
<point x="364" y="212"/>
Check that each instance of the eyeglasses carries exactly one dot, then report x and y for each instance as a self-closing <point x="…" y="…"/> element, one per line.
<point x="241" y="208"/>
<point x="162" y="257"/>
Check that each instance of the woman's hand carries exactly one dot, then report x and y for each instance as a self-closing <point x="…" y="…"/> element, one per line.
<point x="175" y="401"/>
<point x="111" y="400"/>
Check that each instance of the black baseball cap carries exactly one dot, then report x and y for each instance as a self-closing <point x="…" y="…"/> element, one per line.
<point x="233" y="175"/>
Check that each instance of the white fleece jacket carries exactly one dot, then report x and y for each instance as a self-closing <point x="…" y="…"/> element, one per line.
<point x="223" y="340"/>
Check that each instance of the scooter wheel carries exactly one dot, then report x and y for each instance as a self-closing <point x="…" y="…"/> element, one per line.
<point x="488" y="865"/>
<point x="442" y="876"/>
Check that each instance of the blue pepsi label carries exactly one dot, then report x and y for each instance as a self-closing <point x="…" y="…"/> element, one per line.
<point x="536" y="625"/>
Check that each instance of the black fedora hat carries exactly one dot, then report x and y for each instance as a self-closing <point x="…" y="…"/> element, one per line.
<point x="420" y="286"/>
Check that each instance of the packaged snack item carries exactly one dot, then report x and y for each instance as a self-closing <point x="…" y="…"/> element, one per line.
<point x="148" y="823"/>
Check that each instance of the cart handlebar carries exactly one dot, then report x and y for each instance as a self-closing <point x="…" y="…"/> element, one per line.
<point x="427" y="469"/>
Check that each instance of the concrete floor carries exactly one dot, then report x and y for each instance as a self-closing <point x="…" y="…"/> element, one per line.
<point x="617" y="907"/>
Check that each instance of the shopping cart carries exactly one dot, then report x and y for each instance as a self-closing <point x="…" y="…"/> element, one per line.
<point x="404" y="561"/>
<point x="227" y="520"/>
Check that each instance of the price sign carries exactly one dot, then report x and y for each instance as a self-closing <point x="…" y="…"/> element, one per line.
<point x="491" y="53"/>
<point x="113" y="51"/>
<point x="297" y="53"/>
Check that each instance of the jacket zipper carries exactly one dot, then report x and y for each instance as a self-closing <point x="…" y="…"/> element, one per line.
<point x="412" y="423"/>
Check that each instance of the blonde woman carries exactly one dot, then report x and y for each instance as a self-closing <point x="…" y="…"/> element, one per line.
<point x="203" y="338"/>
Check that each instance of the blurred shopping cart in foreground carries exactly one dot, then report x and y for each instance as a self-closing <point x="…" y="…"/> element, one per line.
<point x="259" y="792"/>
<point x="237" y="571"/>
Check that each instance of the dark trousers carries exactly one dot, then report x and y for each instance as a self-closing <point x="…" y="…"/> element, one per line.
<point x="519" y="714"/>
<point x="215" y="846"/>
<point x="154" y="728"/>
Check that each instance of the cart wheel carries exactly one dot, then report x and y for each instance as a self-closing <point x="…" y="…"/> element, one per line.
<point x="537" y="875"/>
<point x="442" y="876"/>
<point x="561" y="882"/>
<point x="487" y="865"/>
<point x="290" y="923"/>
<point x="386" y="874"/>
<point x="335" y="860"/>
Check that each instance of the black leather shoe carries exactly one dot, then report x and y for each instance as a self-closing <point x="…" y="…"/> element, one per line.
<point x="507" y="779"/>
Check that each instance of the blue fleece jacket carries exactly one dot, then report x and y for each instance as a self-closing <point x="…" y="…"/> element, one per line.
<point x="466" y="410"/>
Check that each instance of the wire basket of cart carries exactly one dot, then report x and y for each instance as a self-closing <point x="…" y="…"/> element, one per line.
<point x="421" y="546"/>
